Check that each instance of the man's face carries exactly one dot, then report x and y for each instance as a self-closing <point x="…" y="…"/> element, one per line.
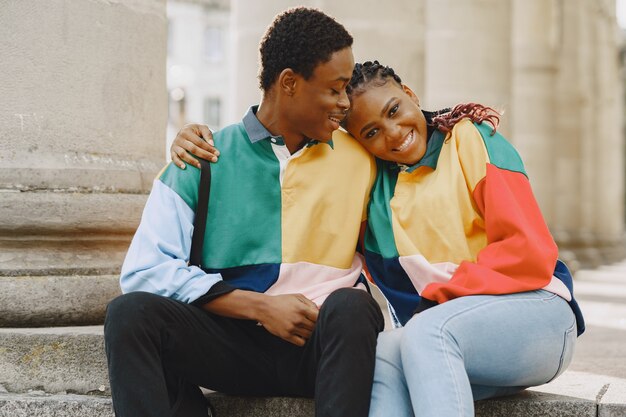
<point x="320" y="102"/>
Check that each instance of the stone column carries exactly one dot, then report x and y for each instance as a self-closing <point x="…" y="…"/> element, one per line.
<point x="82" y="123"/>
<point x="535" y="31"/>
<point x="607" y="138"/>
<point x="468" y="53"/>
<point x="569" y="97"/>
<point x="589" y="163"/>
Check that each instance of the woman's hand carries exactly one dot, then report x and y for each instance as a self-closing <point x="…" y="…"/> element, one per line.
<point x="193" y="139"/>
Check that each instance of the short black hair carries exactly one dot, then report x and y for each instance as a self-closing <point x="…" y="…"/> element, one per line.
<point x="300" y="38"/>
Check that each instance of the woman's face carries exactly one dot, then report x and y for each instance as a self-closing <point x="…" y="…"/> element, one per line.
<point x="388" y="122"/>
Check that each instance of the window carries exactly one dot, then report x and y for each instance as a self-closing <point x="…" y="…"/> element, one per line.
<point x="212" y="107"/>
<point x="213" y="44"/>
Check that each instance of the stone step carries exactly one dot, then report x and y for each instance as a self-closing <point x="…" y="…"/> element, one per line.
<point x="53" y="359"/>
<point x="529" y="403"/>
<point x="59" y="405"/>
<point x="55" y="300"/>
<point x="62" y="372"/>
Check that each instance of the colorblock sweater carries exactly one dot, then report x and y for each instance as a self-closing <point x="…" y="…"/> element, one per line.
<point x="277" y="223"/>
<point x="462" y="221"/>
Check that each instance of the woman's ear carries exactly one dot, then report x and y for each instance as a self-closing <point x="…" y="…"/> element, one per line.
<point x="287" y="81"/>
<point x="411" y="94"/>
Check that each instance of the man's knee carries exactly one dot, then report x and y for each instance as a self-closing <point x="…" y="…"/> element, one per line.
<point x="350" y="307"/>
<point x="129" y="311"/>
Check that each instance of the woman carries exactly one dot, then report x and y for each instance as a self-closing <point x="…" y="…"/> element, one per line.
<point x="457" y="243"/>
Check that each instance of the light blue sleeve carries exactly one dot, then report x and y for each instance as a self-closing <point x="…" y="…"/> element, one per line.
<point x="156" y="261"/>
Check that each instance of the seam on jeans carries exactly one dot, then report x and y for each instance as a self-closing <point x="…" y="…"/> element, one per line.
<point x="401" y="371"/>
<point x="495" y="301"/>
<point x="566" y="335"/>
<point x="500" y="298"/>
<point x="551" y="295"/>
<point x="450" y="368"/>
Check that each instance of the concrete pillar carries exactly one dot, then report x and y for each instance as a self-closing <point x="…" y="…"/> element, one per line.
<point x="468" y="53"/>
<point x="607" y="138"/>
<point x="589" y="163"/>
<point x="82" y="122"/>
<point x="535" y="30"/>
<point x="570" y="96"/>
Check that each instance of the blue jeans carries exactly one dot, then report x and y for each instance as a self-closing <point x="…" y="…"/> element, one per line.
<point x="471" y="348"/>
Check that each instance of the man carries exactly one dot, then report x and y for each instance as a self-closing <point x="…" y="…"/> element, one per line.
<point x="278" y="307"/>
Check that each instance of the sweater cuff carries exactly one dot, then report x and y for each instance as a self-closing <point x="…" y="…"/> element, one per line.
<point x="425" y="304"/>
<point x="217" y="290"/>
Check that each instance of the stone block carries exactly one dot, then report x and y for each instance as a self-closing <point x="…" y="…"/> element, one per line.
<point x="41" y="405"/>
<point x="30" y="301"/>
<point x="231" y="406"/>
<point x="54" y="360"/>
<point x="536" y="404"/>
<point x="613" y="401"/>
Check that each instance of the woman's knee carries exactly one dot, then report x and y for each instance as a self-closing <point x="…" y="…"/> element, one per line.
<point x="423" y="334"/>
<point x="388" y="348"/>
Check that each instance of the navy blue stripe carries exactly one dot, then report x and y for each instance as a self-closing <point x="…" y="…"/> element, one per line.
<point x="250" y="277"/>
<point x="394" y="283"/>
<point x="562" y="273"/>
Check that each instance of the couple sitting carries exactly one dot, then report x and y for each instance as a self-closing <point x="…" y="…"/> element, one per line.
<point x="453" y="237"/>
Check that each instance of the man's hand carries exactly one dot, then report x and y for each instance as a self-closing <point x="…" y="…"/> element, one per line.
<point x="193" y="139"/>
<point x="291" y="317"/>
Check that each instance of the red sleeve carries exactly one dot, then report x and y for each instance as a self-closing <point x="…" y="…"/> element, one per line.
<point x="520" y="254"/>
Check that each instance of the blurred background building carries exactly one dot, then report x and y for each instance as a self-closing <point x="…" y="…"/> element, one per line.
<point x="553" y="67"/>
<point x="93" y="91"/>
<point x="198" y="56"/>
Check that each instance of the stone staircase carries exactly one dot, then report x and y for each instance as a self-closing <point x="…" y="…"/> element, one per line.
<point x="61" y="371"/>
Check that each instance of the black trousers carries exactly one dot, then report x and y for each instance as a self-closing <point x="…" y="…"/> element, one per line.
<point x="160" y="350"/>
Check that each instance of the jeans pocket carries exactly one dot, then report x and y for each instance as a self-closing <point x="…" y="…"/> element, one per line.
<point x="569" y="340"/>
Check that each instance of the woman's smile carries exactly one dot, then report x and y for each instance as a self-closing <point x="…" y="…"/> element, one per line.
<point x="410" y="138"/>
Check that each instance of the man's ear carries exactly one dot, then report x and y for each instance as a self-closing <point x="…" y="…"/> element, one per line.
<point x="411" y="94"/>
<point x="287" y="81"/>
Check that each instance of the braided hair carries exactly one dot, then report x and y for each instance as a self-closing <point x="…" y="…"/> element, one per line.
<point x="374" y="73"/>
